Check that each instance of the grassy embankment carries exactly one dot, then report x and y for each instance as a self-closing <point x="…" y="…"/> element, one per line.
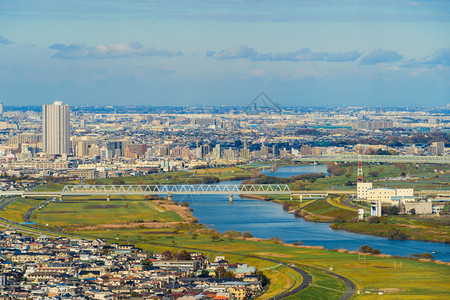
<point x="434" y="229"/>
<point x="16" y="210"/>
<point x="324" y="210"/>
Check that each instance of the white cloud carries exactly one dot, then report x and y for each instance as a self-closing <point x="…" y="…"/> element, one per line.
<point x="381" y="56"/>
<point x="304" y="54"/>
<point x="301" y="73"/>
<point x="78" y="51"/>
<point x="257" y="73"/>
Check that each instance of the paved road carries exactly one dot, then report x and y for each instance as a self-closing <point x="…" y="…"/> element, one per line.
<point x="306" y="279"/>
<point x="28" y="214"/>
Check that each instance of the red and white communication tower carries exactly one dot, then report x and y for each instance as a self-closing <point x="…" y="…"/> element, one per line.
<point x="360" y="177"/>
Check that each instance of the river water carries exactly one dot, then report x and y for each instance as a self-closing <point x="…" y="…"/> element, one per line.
<point x="266" y="219"/>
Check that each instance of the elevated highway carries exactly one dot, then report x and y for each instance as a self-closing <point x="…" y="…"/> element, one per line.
<point x="430" y="159"/>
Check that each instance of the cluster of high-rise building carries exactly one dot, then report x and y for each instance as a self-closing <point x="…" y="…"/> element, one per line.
<point x="107" y="139"/>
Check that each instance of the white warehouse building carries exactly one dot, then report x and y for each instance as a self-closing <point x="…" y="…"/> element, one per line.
<point x="383" y="194"/>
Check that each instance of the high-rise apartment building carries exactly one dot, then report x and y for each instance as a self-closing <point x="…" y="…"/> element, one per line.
<point x="56" y="128"/>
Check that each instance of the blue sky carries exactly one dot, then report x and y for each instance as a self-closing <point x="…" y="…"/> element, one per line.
<point x="307" y="53"/>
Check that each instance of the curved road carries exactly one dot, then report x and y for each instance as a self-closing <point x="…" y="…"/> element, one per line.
<point x="27" y="216"/>
<point x="351" y="287"/>
<point x="306" y="277"/>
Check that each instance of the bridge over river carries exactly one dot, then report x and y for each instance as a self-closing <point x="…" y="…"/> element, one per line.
<point x="181" y="189"/>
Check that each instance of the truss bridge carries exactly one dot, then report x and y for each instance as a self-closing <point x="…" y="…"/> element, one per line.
<point x="237" y="189"/>
<point x="169" y="190"/>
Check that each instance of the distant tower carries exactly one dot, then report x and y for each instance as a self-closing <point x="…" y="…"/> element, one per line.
<point x="56" y="128"/>
<point x="360" y="177"/>
<point x="1" y="109"/>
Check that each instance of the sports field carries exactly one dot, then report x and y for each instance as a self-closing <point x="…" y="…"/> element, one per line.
<point x="77" y="211"/>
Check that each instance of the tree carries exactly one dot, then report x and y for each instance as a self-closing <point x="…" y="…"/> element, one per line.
<point x="118" y="181"/>
<point x="247" y="234"/>
<point x="373" y="219"/>
<point x="365" y="249"/>
<point x="182" y="255"/>
<point x="264" y="280"/>
<point x="423" y="256"/>
<point x="210" y="179"/>
<point x="368" y="249"/>
<point x="167" y="255"/>
<point x="373" y="174"/>
<point x="395" y="234"/>
<point x="390" y="210"/>
<point x="220" y="272"/>
<point x="215" y="238"/>
<point x="412" y="211"/>
<point x="427" y="256"/>
<point x="147" y="264"/>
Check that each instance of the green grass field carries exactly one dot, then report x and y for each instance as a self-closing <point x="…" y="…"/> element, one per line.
<point x="16" y="210"/>
<point x="74" y="211"/>
<point x="321" y="207"/>
<point x="427" y="229"/>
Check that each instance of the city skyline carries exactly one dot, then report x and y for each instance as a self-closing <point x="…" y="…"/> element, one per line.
<point x="348" y="53"/>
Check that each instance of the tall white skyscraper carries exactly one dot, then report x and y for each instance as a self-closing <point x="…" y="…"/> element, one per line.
<point x="56" y="128"/>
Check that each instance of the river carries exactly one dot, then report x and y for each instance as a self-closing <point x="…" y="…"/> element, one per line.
<point x="265" y="219"/>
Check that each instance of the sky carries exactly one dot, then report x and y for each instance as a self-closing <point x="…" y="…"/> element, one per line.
<point x="299" y="52"/>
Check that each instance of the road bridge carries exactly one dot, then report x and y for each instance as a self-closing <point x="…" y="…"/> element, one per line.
<point x="431" y="159"/>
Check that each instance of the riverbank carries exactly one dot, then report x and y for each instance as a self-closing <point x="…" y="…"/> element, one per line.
<point x="402" y="228"/>
<point x="333" y="210"/>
